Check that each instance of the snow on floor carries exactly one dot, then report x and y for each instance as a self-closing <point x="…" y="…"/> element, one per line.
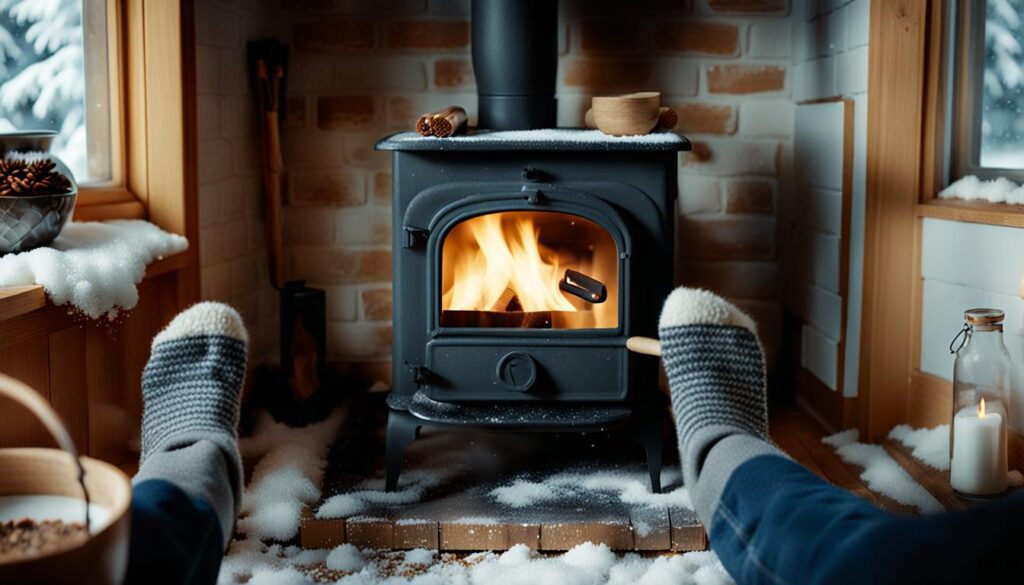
<point x="629" y="488"/>
<point x="930" y="446"/>
<point x="289" y="474"/>
<point x="93" y="266"/>
<point x="971" y="188"/>
<point x="881" y="472"/>
<point x="586" y="564"/>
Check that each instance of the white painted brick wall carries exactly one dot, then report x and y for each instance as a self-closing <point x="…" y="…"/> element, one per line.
<point x="830" y="60"/>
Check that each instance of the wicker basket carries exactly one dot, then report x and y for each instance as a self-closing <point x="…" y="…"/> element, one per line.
<point x="103" y="556"/>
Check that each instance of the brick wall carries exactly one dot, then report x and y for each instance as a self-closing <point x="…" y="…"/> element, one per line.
<point x="360" y="70"/>
<point x="232" y="245"/>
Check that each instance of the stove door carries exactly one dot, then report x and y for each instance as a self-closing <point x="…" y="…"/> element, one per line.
<point x="528" y="299"/>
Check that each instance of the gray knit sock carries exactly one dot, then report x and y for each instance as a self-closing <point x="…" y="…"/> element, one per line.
<point x="715" y="369"/>
<point x="191" y="390"/>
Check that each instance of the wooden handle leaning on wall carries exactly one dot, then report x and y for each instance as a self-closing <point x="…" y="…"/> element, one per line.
<point x="644" y="345"/>
<point x="272" y="176"/>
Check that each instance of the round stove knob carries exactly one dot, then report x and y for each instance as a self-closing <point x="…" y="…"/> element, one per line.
<point x="517" y="371"/>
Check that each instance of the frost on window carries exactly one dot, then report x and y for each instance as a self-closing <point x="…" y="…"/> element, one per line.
<point x="1002" y="115"/>
<point x="43" y="83"/>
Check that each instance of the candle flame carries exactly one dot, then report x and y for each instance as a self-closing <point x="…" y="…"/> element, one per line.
<point x="981" y="408"/>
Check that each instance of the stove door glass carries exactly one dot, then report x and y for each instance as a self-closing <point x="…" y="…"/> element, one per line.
<point x="529" y="269"/>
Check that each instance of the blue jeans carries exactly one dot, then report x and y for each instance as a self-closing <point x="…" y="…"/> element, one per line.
<point x="175" y="539"/>
<point x="779" y="523"/>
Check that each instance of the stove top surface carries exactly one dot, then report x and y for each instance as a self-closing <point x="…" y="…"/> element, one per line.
<point x="574" y="139"/>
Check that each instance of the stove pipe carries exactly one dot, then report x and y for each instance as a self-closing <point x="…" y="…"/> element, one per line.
<point x="515" y="60"/>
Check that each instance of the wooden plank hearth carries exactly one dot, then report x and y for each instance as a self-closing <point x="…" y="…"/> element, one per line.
<point x="447" y="498"/>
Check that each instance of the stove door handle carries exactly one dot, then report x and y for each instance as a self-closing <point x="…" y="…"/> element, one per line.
<point x="644" y="345"/>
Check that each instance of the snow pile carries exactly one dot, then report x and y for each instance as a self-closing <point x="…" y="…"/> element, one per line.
<point x="629" y="488"/>
<point x="971" y="188"/>
<point x="881" y="472"/>
<point x="930" y="446"/>
<point x="586" y="564"/>
<point x="93" y="266"/>
<point x="287" y="477"/>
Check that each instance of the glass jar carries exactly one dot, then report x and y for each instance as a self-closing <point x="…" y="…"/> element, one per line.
<point x="981" y="398"/>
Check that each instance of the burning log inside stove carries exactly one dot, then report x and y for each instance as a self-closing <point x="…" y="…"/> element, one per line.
<point x="580" y="285"/>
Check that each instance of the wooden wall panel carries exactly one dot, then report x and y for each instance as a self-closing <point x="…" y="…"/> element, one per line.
<point x="68" y="393"/>
<point x="29" y="362"/>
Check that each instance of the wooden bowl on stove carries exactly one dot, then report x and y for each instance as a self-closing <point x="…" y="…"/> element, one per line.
<point x="632" y="114"/>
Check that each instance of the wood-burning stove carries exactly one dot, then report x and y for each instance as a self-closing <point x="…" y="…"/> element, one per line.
<point x="523" y="262"/>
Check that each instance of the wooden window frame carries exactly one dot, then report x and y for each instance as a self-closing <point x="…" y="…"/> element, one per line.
<point x="906" y="166"/>
<point x="152" y="111"/>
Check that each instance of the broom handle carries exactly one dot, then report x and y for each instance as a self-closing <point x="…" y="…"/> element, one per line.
<point x="272" y="176"/>
<point x="24" y="395"/>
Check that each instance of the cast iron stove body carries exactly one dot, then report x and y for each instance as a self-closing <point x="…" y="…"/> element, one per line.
<point x="601" y="211"/>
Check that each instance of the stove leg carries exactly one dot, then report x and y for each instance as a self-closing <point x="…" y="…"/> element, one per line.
<point x="403" y="428"/>
<point x="648" y="432"/>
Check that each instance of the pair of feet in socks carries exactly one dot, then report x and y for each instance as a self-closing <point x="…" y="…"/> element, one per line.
<point x="192" y="388"/>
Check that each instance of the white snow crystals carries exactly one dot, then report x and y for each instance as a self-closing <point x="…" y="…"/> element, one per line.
<point x="586" y="564"/>
<point x="971" y="188"/>
<point x="881" y="472"/>
<point x="931" y="446"/>
<point x="94" y="266"/>
<point x="629" y="488"/>
<point x="288" y="476"/>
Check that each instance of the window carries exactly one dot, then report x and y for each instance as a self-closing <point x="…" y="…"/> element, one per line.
<point x="988" y="138"/>
<point x="54" y="76"/>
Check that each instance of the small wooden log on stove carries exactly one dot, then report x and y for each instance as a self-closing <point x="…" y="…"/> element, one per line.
<point x="449" y="123"/>
<point x="497" y="319"/>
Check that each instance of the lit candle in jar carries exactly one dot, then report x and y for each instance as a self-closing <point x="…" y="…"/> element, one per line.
<point x="978" y="465"/>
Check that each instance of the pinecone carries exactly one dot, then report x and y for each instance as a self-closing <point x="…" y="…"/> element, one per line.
<point x="19" y="178"/>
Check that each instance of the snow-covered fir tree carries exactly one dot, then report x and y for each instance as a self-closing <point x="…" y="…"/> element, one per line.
<point x="42" y="76"/>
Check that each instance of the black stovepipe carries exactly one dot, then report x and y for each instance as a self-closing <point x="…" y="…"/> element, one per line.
<point x="515" y="61"/>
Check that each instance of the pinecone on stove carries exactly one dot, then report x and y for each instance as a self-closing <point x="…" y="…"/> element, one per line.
<point x="19" y="178"/>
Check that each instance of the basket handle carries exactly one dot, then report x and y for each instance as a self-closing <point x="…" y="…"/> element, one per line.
<point x="24" y="394"/>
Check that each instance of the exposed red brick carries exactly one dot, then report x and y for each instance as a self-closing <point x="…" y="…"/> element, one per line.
<point x="706" y="118"/>
<point x="346" y="111"/>
<point x="608" y="75"/>
<point x="698" y="37"/>
<point x="377" y="304"/>
<point x="335" y="34"/>
<point x="609" y="35"/>
<point x="345" y="265"/>
<point x="743" y="79"/>
<point x="426" y="34"/>
<point x="673" y="6"/>
<point x="728" y="239"/>
<point x="453" y="73"/>
<point x="749" y="196"/>
<point x="296" y="114"/>
<point x="335" y="188"/>
<point x="747" y="5"/>
<point x="382" y="187"/>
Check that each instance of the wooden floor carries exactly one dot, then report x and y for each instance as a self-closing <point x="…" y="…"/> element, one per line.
<point x="447" y="495"/>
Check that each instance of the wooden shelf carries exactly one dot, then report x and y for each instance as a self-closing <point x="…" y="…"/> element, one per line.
<point x="20" y="300"/>
<point x="973" y="212"/>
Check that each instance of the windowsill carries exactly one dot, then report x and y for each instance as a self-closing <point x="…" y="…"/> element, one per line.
<point x="16" y="301"/>
<point x="1003" y="214"/>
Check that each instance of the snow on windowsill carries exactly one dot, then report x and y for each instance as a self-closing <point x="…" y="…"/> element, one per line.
<point x="94" y="267"/>
<point x="971" y="188"/>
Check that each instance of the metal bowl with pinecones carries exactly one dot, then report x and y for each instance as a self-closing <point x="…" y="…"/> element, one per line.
<point x="37" y="191"/>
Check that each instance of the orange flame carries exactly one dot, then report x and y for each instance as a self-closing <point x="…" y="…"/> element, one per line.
<point x="508" y="257"/>
<point x="981" y="408"/>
